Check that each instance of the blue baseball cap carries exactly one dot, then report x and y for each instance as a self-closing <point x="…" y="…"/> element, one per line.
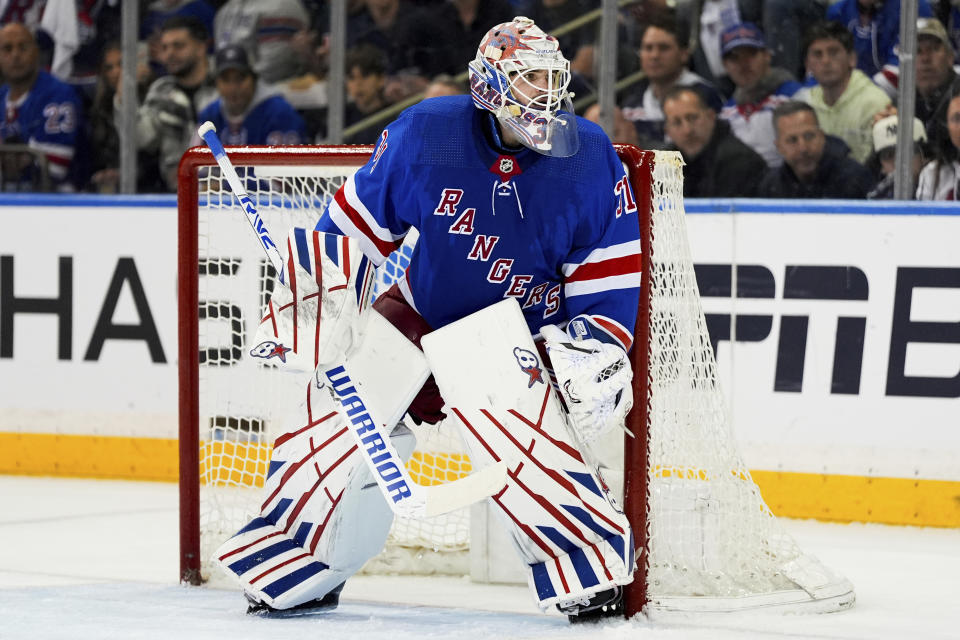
<point x="744" y="34"/>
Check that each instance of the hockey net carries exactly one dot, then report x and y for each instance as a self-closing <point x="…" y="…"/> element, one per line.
<point x="709" y="541"/>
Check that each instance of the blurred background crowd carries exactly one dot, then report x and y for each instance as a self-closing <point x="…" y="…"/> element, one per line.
<point x="763" y="98"/>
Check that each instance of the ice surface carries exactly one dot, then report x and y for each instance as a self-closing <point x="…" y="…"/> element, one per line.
<point x="98" y="559"/>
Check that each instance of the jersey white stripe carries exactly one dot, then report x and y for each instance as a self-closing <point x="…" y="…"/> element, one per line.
<point x="343" y="222"/>
<point x="605" y="253"/>
<point x="586" y="287"/>
<point x="350" y="192"/>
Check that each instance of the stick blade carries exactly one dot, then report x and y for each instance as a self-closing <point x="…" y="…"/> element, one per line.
<point x="451" y="496"/>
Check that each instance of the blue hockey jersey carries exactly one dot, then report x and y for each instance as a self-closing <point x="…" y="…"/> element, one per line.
<point x="269" y="120"/>
<point x="560" y="235"/>
<point x="47" y="118"/>
<point x="875" y="43"/>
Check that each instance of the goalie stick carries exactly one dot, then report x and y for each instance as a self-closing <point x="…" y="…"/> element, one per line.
<point x="208" y="132"/>
<point x="405" y="497"/>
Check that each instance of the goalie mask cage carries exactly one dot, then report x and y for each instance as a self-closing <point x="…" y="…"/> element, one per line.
<point x="706" y="540"/>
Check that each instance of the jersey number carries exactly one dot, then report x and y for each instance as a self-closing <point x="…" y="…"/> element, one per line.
<point x="61" y="118"/>
<point x="625" y="201"/>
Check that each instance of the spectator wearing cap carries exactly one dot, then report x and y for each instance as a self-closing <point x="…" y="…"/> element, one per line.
<point x="167" y="119"/>
<point x="815" y="165"/>
<point x="760" y="88"/>
<point x="248" y="111"/>
<point x="717" y="163"/>
<point x="875" y="26"/>
<point x="940" y="179"/>
<point x="663" y="58"/>
<point x="934" y="78"/>
<point x="845" y="99"/>
<point x="883" y="160"/>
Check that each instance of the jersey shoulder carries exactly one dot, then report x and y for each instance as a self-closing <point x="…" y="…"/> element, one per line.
<point x="49" y="88"/>
<point x="437" y="131"/>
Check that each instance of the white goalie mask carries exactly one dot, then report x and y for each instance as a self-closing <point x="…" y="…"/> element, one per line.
<point x="521" y="77"/>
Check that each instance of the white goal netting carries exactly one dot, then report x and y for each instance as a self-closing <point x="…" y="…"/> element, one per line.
<point x="241" y="398"/>
<point x="712" y="543"/>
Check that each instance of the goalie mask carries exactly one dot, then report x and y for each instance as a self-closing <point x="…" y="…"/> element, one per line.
<point x="521" y="77"/>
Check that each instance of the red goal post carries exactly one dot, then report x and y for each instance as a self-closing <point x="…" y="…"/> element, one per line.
<point x="707" y="540"/>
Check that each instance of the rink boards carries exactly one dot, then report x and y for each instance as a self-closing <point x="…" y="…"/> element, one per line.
<point x="842" y="369"/>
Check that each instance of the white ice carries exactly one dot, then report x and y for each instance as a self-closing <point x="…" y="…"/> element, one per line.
<point x="98" y="559"/>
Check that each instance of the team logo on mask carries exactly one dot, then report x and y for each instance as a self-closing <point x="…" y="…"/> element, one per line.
<point x="530" y="365"/>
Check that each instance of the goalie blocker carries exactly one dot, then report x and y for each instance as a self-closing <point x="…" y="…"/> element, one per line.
<point x="323" y="517"/>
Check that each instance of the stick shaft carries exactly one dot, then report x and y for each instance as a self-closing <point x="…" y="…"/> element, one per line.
<point x="227" y="170"/>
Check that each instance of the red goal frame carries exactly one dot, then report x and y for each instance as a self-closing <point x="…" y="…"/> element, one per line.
<point x="640" y="164"/>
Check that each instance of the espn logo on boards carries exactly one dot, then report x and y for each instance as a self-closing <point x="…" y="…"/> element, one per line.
<point x="820" y="285"/>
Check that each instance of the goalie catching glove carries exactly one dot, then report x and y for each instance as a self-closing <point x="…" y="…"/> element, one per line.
<point x="594" y="379"/>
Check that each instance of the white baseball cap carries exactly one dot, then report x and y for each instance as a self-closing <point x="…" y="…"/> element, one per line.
<point x="885" y="133"/>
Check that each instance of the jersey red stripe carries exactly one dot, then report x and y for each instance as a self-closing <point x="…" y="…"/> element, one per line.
<point x="624" y="265"/>
<point x="625" y="338"/>
<point x="384" y="247"/>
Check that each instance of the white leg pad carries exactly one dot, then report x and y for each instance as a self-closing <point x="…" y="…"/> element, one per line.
<point x="323" y="515"/>
<point x="568" y="528"/>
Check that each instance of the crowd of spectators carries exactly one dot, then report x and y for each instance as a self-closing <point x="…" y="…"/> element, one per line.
<point x="807" y="86"/>
<point x="769" y="98"/>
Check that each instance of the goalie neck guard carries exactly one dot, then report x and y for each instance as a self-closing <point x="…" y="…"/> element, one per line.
<point x="521" y="77"/>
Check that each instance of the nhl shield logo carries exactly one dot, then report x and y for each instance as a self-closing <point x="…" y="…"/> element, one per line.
<point x="506" y="165"/>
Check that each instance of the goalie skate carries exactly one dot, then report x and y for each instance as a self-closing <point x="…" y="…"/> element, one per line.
<point x="588" y="608"/>
<point x="327" y="603"/>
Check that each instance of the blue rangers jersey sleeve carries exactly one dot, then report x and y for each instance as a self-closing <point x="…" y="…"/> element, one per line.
<point x="48" y="118"/>
<point x="560" y="235"/>
<point x="271" y="120"/>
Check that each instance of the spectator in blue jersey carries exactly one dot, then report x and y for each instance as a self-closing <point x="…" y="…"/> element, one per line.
<point x="760" y="87"/>
<point x="513" y="197"/>
<point x="42" y="113"/>
<point x="663" y="58"/>
<point x="814" y="165"/>
<point x="248" y="111"/>
<point x="875" y="25"/>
